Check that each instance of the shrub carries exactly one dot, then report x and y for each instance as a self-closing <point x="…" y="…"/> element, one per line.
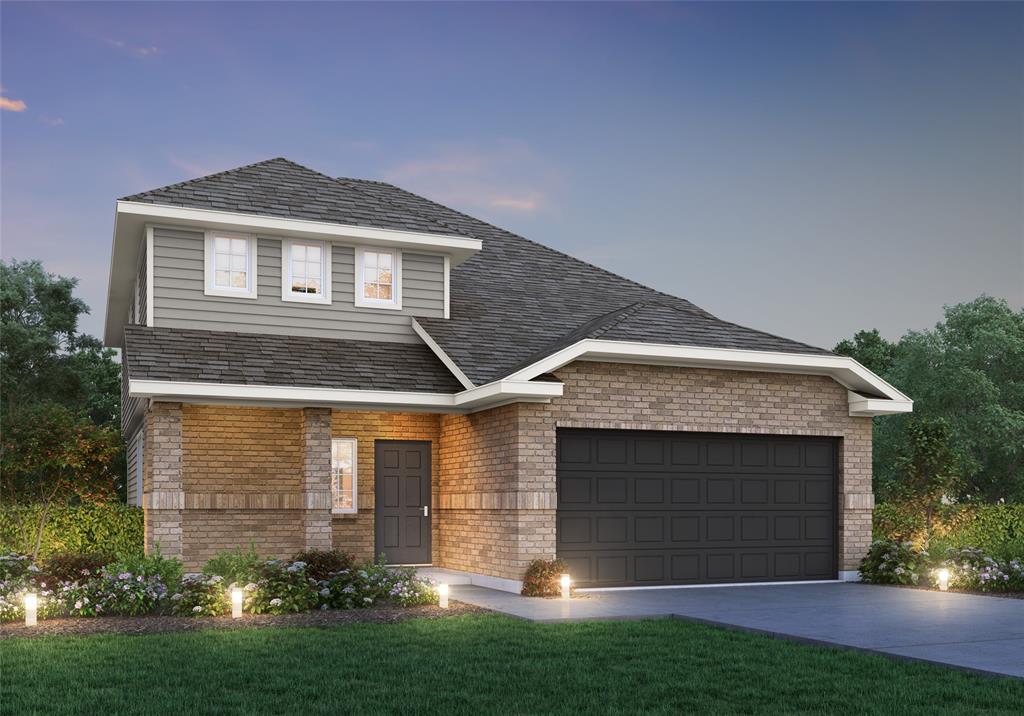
<point x="407" y="590"/>
<point x="18" y="576"/>
<point x="14" y="565"/>
<point x="997" y="529"/>
<point x="72" y="567"/>
<point x="321" y="564"/>
<point x="972" y="569"/>
<point x="236" y="566"/>
<point x="543" y="578"/>
<point x="111" y="528"/>
<point x="201" y="595"/>
<point x="894" y="562"/>
<point x="281" y="588"/>
<point x="113" y="592"/>
<point x="367" y="584"/>
<point x="154" y="564"/>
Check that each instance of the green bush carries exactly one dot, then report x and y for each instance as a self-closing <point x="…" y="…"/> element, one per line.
<point x="201" y="595"/>
<point x="543" y="578"/>
<point x="321" y="564"/>
<point x="73" y="567"/>
<point x="995" y="529"/>
<point x="111" y="528"/>
<point x="235" y="566"/>
<point x="895" y="562"/>
<point x="282" y="588"/>
<point x="372" y="582"/>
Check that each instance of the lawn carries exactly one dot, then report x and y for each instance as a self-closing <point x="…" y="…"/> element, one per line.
<point x="476" y="664"/>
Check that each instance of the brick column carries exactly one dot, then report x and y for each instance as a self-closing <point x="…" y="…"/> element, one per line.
<point x="316" y="477"/>
<point x="856" y="500"/>
<point x="163" y="497"/>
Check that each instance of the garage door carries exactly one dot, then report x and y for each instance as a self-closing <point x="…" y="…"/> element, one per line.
<point x="643" y="508"/>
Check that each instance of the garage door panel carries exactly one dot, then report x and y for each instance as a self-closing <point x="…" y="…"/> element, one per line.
<point x="665" y="515"/>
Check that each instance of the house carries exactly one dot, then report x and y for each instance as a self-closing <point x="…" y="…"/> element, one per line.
<point x="317" y="362"/>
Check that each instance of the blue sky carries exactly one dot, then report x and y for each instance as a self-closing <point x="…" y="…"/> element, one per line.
<point x="807" y="169"/>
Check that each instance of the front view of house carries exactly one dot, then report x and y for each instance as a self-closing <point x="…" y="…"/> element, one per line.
<point x="318" y="362"/>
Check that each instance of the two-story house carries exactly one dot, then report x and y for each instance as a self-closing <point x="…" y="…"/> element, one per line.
<point x="317" y="362"/>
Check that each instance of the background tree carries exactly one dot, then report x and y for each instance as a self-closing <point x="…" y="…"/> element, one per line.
<point x="870" y="350"/>
<point x="969" y="372"/>
<point x="59" y="395"/>
<point x="927" y="468"/>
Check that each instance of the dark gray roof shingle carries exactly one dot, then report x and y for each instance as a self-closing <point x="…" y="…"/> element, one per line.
<point x="255" y="359"/>
<point x="282" y="188"/>
<point x="517" y="301"/>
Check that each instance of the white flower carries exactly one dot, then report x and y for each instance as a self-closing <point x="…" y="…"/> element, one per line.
<point x="78" y="604"/>
<point x="176" y="597"/>
<point x="275" y="602"/>
<point x="197" y="609"/>
<point x="325" y="592"/>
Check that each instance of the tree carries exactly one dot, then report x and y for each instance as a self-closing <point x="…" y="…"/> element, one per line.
<point x="49" y="455"/>
<point x="969" y="372"/>
<point x="869" y="349"/>
<point x="60" y="395"/>
<point x="927" y="467"/>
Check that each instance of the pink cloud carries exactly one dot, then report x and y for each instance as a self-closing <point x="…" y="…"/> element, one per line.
<point x="136" y="50"/>
<point x="13" y="105"/>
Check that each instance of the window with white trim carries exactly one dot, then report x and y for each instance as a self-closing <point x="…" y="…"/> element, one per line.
<point x="307" y="271"/>
<point x="230" y="265"/>
<point x="343" y="475"/>
<point x="378" y="278"/>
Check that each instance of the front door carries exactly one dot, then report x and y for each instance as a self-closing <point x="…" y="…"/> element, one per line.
<point x="402" y="519"/>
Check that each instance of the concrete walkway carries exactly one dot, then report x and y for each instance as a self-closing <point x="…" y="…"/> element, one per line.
<point x="961" y="630"/>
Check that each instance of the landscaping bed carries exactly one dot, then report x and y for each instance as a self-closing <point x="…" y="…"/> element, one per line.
<point x="162" y="624"/>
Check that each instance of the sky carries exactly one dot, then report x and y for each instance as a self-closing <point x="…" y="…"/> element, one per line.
<point x="807" y="169"/>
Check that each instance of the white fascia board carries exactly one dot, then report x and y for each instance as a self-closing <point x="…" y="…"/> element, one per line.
<point x="442" y="356"/>
<point x="465" y="401"/>
<point x="299" y="227"/>
<point x="861" y="406"/>
<point x="844" y="370"/>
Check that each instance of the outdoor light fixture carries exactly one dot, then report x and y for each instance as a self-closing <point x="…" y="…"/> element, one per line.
<point x="566" y="585"/>
<point x="236" y="602"/>
<point x="31" y="605"/>
<point x="943" y="575"/>
<point x="442" y="595"/>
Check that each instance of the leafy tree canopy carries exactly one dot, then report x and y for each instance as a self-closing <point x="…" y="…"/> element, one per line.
<point x="969" y="372"/>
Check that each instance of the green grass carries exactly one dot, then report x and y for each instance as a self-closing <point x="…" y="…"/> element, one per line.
<point x="476" y="664"/>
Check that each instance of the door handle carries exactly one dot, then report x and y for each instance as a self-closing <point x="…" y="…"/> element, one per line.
<point x="426" y="511"/>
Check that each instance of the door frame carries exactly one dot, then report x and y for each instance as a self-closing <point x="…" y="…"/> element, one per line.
<point x="378" y="501"/>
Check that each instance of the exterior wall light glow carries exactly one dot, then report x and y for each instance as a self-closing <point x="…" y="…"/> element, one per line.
<point x="31" y="607"/>
<point x="566" y="581"/>
<point x="442" y="595"/>
<point x="236" y="602"/>
<point x="943" y="575"/>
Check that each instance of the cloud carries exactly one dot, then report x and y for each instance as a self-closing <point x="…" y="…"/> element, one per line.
<point x="507" y="177"/>
<point x="136" y="50"/>
<point x="52" y="121"/>
<point x="194" y="169"/>
<point x="13" y="105"/>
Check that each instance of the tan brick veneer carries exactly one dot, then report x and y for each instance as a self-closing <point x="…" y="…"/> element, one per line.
<point x="507" y="455"/>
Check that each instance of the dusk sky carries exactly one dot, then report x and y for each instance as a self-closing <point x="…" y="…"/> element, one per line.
<point x="806" y="169"/>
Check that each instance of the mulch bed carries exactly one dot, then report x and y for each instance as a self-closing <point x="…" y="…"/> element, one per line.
<point x="82" y="626"/>
<point x="951" y="590"/>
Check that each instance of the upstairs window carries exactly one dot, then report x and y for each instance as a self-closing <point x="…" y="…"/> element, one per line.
<point x="378" y="278"/>
<point x="343" y="475"/>
<point x="306" y="274"/>
<point x="230" y="265"/>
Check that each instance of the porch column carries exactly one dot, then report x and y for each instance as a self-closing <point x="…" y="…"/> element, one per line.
<point x="316" y="477"/>
<point x="163" y="497"/>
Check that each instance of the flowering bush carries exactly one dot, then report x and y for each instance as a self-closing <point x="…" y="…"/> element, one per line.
<point x="113" y="592"/>
<point x="368" y="584"/>
<point x="543" y="578"/>
<point x="971" y="568"/>
<point x="18" y="577"/>
<point x="72" y="567"/>
<point x="894" y="562"/>
<point x="408" y="590"/>
<point x="200" y="595"/>
<point x="281" y="588"/>
<point x="14" y="565"/>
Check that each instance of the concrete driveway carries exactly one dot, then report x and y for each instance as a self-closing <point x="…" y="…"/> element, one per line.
<point x="961" y="630"/>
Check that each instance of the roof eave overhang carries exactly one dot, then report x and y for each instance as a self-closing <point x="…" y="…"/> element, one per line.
<point x="885" y="399"/>
<point x="467" y="401"/>
<point x="131" y="219"/>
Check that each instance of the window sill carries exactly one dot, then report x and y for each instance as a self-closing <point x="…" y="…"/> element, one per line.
<point x="227" y="293"/>
<point x="322" y="300"/>
<point x="388" y="306"/>
<point x="343" y="513"/>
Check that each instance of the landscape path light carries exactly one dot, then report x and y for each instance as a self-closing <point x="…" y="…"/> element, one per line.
<point x="31" y="608"/>
<point x="442" y="595"/>
<point x="566" y="586"/>
<point x="943" y="575"/>
<point x="236" y="602"/>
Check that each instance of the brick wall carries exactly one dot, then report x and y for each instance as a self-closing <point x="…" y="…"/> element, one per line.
<point x="507" y="455"/>
<point x="354" y="533"/>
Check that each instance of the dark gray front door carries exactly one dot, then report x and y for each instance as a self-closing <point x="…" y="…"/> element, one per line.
<point x="402" y="521"/>
<point x="649" y="508"/>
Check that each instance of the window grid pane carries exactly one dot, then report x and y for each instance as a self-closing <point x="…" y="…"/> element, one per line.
<point x="378" y="280"/>
<point x="343" y="483"/>
<point x="231" y="263"/>
<point x="307" y="268"/>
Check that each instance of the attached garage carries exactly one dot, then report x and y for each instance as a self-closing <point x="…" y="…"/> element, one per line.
<point x="658" y="508"/>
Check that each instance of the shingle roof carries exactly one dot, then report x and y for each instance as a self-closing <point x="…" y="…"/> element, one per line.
<point x="279" y="187"/>
<point x="256" y="359"/>
<point x="517" y="301"/>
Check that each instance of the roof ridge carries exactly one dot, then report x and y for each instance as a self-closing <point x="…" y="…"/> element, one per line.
<point x="211" y="176"/>
<point x="623" y="314"/>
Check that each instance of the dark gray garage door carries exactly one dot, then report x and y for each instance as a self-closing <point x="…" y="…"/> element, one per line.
<point x="648" y="508"/>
